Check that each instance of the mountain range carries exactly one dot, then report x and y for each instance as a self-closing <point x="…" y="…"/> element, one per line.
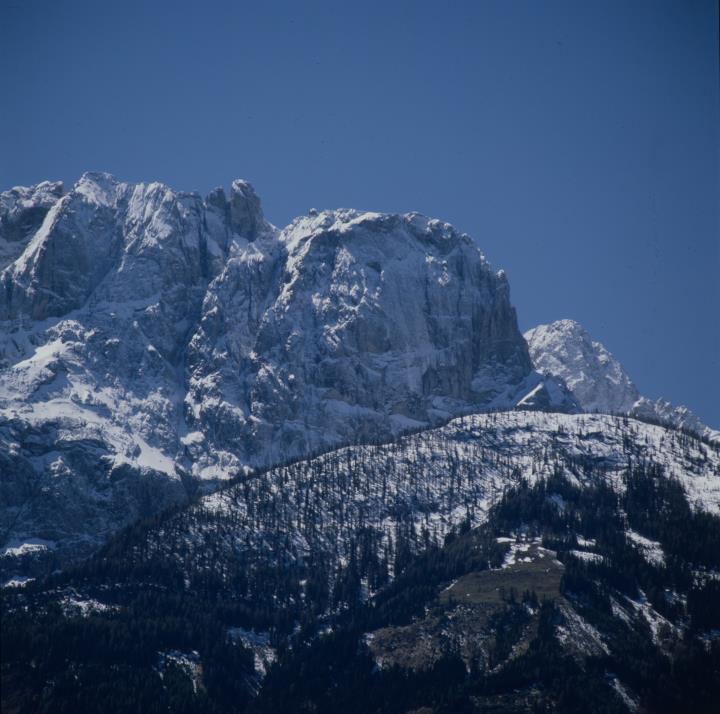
<point x="285" y="428"/>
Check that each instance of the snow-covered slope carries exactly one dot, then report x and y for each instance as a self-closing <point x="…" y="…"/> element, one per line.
<point x="566" y="351"/>
<point x="438" y="478"/>
<point x="417" y="489"/>
<point x="151" y="340"/>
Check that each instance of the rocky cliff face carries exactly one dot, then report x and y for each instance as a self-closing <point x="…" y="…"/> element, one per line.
<point x="564" y="349"/>
<point x="153" y="340"/>
<point x="22" y="210"/>
<point x="350" y="326"/>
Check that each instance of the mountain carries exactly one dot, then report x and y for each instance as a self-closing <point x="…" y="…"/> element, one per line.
<point x="598" y="381"/>
<point x="516" y="561"/>
<point x="154" y="342"/>
<point x="594" y="376"/>
<point x="319" y="469"/>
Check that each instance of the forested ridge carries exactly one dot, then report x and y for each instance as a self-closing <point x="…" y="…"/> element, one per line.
<point x="586" y="584"/>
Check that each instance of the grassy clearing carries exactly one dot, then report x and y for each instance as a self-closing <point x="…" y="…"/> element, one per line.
<point x="459" y="620"/>
<point x="489" y="587"/>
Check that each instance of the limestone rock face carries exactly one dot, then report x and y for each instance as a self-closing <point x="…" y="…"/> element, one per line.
<point x="22" y="211"/>
<point x="349" y="326"/>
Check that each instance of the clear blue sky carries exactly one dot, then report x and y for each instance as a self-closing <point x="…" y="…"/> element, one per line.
<point x="577" y="142"/>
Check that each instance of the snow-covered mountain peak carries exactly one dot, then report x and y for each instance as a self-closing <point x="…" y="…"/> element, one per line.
<point x="21" y="198"/>
<point x="110" y="241"/>
<point x="565" y="350"/>
<point x="98" y="187"/>
<point x="598" y="381"/>
<point x="351" y="325"/>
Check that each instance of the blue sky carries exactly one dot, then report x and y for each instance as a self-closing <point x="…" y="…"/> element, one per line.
<point x="577" y="142"/>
